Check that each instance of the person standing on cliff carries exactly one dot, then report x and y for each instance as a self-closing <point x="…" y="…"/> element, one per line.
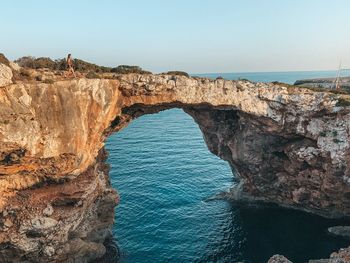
<point x="70" y="66"/>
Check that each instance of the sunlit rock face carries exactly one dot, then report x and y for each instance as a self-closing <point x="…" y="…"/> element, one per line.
<point x="288" y="146"/>
<point x="5" y="75"/>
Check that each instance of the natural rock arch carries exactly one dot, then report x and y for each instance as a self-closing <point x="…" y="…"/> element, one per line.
<point x="289" y="145"/>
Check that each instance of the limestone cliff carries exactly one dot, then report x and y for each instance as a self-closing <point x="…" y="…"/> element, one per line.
<point x="287" y="145"/>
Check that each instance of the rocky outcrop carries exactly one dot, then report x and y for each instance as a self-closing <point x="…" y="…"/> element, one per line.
<point x="287" y="145"/>
<point x="344" y="83"/>
<point x="340" y="231"/>
<point x="278" y="259"/>
<point x="342" y="256"/>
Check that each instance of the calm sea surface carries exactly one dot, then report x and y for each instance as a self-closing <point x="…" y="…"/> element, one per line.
<point x="164" y="173"/>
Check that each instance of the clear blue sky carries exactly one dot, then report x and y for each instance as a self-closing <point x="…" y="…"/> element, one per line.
<point x="197" y="36"/>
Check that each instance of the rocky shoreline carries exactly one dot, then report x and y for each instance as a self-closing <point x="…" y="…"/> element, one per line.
<point x="342" y="256"/>
<point x="288" y="145"/>
<point x="328" y="83"/>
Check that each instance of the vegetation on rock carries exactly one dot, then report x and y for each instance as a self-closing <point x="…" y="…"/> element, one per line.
<point x="342" y="102"/>
<point x="48" y="81"/>
<point x="125" y="69"/>
<point x="92" y="75"/>
<point x="178" y="73"/>
<point x="4" y="60"/>
<point x="79" y="65"/>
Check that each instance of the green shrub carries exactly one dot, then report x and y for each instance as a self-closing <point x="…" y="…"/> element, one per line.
<point x="4" y="60"/>
<point x="24" y="72"/>
<point x="59" y="64"/>
<point x="83" y="66"/>
<point x="323" y="134"/>
<point x="335" y="133"/>
<point x="342" y="103"/>
<point x="36" y="63"/>
<point x="92" y="75"/>
<point x="126" y="69"/>
<point x="243" y="79"/>
<point x="48" y="81"/>
<point x="78" y="64"/>
<point x="178" y="73"/>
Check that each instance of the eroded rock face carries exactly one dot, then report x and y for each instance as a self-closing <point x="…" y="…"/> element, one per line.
<point x="288" y="146"/>
<point x="5" y="75"/>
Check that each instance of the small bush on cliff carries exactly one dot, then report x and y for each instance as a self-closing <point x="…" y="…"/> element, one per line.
<point x="343" y="103"/>
<point x="92" y="75"/>
<point x="323" y="134"/>
<point x="36" y="63"/>
<point x="48" y="81"/>
<point x="83" y="66"/>
<point x="24" y="72"/>
<point x="4" y="60"/>
<point x="337" y="141"/>
<point x="59" y="64"/>
<point x="178" y="73"/>
<point x="126" y="69"/>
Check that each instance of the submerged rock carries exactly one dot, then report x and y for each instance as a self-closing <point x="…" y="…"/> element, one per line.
<point x="341" y="231"/>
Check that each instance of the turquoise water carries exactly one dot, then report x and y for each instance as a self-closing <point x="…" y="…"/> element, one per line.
<point x="164" y="173"/>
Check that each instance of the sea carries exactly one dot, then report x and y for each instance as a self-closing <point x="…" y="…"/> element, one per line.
<point x="166" y="176"/>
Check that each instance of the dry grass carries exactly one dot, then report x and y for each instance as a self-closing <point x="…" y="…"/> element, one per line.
<point x="48" y="81"/>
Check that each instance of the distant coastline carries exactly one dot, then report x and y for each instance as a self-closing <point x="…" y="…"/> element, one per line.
<point x="289" y="77"/>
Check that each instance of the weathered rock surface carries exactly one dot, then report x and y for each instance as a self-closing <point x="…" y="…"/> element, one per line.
<point x="288" y="146"/>
<point x="342" y="256"/>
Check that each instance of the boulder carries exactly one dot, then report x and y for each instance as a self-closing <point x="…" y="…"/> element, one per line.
<point x="279" y="259"/>
<point x="341" y="231"/>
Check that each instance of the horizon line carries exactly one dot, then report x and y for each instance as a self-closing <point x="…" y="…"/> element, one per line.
<point x="268" y="71"/>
